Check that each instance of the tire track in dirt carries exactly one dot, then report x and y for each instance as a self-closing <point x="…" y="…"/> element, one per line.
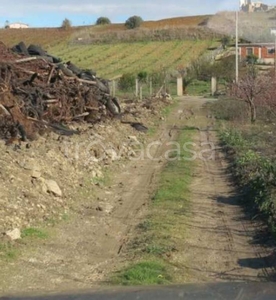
<point x="222" y="242"/>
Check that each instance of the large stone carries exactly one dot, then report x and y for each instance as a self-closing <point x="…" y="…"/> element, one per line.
<point x="31" y="165"/>
<point x="52" y="187"/>
<point x="14" y="234"/>
<point x="35" y="174"/>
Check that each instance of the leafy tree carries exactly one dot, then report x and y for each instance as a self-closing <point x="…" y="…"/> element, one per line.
<point x="66" y="24"/>
<point x="7" y="24"/>
<point x="103" y="21"/>
<point x="133" y="22"/>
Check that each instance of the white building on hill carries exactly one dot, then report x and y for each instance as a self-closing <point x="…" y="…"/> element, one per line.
<point x="250" y="6"/>
<point x="17" y="25"/>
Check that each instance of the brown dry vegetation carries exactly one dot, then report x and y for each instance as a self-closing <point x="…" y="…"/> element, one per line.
<point x="47" y="37"/>
<point x="42" y="36"/>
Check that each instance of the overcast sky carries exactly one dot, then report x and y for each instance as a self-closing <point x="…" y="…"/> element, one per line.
<point x="40" y="13"/>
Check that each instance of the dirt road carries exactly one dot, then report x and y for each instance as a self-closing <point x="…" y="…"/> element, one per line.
<point x="223" y="242"/>
<point x="220" y="244"/>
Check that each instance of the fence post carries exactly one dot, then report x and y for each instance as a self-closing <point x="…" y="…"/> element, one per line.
<point x="113" y="88"/>
<point x="137" y="87"/>
<point x="213" y="85"/>
<point x="150" y="87"/>
<point x="179" y="86"/>
<point x="141" y="92"/>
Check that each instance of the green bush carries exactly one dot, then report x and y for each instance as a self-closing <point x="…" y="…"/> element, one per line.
<point x="251" y="59"/>
<point x="142" y="76"/>
<point x="103" y="21"/>
<point x="255" y="173"/>
<point x="133" y="22"/>
<point x="127" y="82"/>
<point x="230" y="110"/>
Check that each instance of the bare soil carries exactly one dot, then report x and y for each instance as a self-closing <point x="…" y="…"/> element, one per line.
<point x="221" y="242"/>
<point x="224" y="242"/>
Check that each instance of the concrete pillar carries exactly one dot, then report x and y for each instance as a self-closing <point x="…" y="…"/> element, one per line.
<point x="213" y="85"/>
<point x="141" y="92"/>
<point x="179" y="86"/>
<point x="137" y="87"/>
<point x="113" y="88"/>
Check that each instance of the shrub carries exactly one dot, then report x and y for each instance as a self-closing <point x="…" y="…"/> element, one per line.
<point x="66" y="24"/>
<point x="230" y="110"/>
<point x="225" y="41"/>
<point x="142" y="76"/>
<point x="133" y="22"/>
<point x="103" y="21"/>
<point x="251" y="59"/>
<point x="127" y="81"/>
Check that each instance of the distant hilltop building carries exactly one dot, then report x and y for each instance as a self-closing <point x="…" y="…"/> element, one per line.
<point x="17" y="25"/>
<point x="250" y="6"/>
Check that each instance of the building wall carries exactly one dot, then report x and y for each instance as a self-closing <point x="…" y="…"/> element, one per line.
<point x="259" y="51"/>
<point x="18" y="25"/>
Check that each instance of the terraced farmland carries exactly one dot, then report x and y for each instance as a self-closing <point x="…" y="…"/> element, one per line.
<point x="115" y="59"/>
<point x="118" y="57"/>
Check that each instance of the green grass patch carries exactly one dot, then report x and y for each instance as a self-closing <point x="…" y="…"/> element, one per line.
<point x="144" y="273"/>
<point x="199" y="88"/>
<point x="34" y="233"/>
<point x="7" y="252"/>
<point x="163" y="232"/>
<point x="168" y="109"/>
<point x="105" y="180"/>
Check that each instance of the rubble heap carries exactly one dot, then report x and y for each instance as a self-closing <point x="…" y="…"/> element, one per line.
<point x="38" y="91"/>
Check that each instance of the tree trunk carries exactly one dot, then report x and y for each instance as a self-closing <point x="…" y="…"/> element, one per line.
<point x="253" y="114"/>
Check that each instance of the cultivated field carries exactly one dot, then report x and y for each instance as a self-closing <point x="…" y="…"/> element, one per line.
<point x="115" y="59"/>
<point x="118" y="57"/>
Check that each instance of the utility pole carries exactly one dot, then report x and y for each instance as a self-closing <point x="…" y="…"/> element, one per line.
<point x="275" y="55"/>
<point x="273" y="33"/>
<point x="237" y="46"/>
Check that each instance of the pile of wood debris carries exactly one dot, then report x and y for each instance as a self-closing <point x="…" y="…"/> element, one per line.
<point x="38" y="91"/>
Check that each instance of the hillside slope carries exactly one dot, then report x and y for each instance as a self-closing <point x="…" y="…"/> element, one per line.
<point x="52" y="36"/>
<point x="254" y="27"/>
<point x="169" y="43"/>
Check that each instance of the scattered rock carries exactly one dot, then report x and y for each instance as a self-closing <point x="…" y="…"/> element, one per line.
<point x="31" y="165"/>
<point x="99" y="208"/>
<point x="35" y="174"/>
<point x="14" y="234"/>
<point x="112" y="154"/>
<point x="50" y="186"/>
